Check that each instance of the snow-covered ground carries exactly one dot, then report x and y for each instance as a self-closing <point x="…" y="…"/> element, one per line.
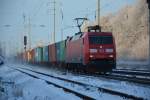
<point x="125" y="87"/>
<point x="15" y="85"/>
<point x="25" y="87"/>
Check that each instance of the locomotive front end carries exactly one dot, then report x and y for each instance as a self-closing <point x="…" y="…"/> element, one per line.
<point x="101" y="51"/>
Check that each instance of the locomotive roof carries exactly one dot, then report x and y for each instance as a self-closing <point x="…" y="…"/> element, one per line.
<point x="99" y="33"/>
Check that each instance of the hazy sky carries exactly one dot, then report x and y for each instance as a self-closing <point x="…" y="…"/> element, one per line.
<point x="16" y="13"/>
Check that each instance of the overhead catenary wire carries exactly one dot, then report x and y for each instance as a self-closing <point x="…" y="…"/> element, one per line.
<point x="37" y="10"/>
<point x="92" y="12"/>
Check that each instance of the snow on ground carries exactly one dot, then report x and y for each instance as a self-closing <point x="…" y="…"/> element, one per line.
<point x="90" y="91"/>
<point x="15" y="85"/>
<point x="126" y="87"/>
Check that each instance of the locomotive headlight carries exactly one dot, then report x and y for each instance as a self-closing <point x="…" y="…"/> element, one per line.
<point x="111" y="56"/>
<point x="109" y="50"/>
<point x="91" y="56"/>
<point x="93" y="50"/>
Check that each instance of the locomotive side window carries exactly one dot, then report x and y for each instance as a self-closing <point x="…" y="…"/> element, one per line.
<point x="100" y="39"/>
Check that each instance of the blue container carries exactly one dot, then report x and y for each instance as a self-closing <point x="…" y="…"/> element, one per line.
<point x="60" y="51"/>
<point x="39" y="54"/>
<point x="45" y="54"/>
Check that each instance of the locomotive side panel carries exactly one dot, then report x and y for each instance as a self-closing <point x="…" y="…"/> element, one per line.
<point x="74" y="52"/>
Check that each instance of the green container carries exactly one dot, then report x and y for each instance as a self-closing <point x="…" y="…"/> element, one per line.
<point x="63" y="51"/>
<point x="45" y="54"/>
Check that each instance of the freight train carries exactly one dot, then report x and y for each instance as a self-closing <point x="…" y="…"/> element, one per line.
<point x="86" y="51"/>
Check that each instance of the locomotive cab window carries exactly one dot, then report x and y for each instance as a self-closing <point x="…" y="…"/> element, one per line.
<point x="100" y="39"/>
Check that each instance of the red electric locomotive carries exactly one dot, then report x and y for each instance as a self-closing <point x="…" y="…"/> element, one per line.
<point x="92" y="51"/>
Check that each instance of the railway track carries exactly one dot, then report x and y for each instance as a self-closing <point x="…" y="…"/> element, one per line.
<point x="132" y="72"/>
<point x="135" y="76"/>
<point x="139" y="77"/>
<point x="123" y="75"/>
<point x="128" y="78"/>
<point x="85" y="94"/>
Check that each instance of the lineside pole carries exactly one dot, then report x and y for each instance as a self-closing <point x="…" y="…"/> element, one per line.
<point x="98" y="15"/>
<point x="29" y="33"/>
<point x="98" y="12"/>
<point x="54" y="21"/>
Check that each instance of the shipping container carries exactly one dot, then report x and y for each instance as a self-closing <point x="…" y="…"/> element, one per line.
<point x="32" y="55"/>
<point x="45" y="54"/>
<point x="28" y="54"/>
<point x="52" y="53"/>
<point x="39" y="54"/>
<point x="60" y="51"/>
<point x="63" y="51"/>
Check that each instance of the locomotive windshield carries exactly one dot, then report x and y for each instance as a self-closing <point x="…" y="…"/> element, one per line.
<point x="100" y="39"/>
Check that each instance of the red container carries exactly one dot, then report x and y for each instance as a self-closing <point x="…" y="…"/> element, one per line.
<point x="52" y="53"/>
<point x="32" y="55"/>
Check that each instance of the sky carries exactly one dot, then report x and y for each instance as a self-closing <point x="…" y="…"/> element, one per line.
<point x="15" y="16"/>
